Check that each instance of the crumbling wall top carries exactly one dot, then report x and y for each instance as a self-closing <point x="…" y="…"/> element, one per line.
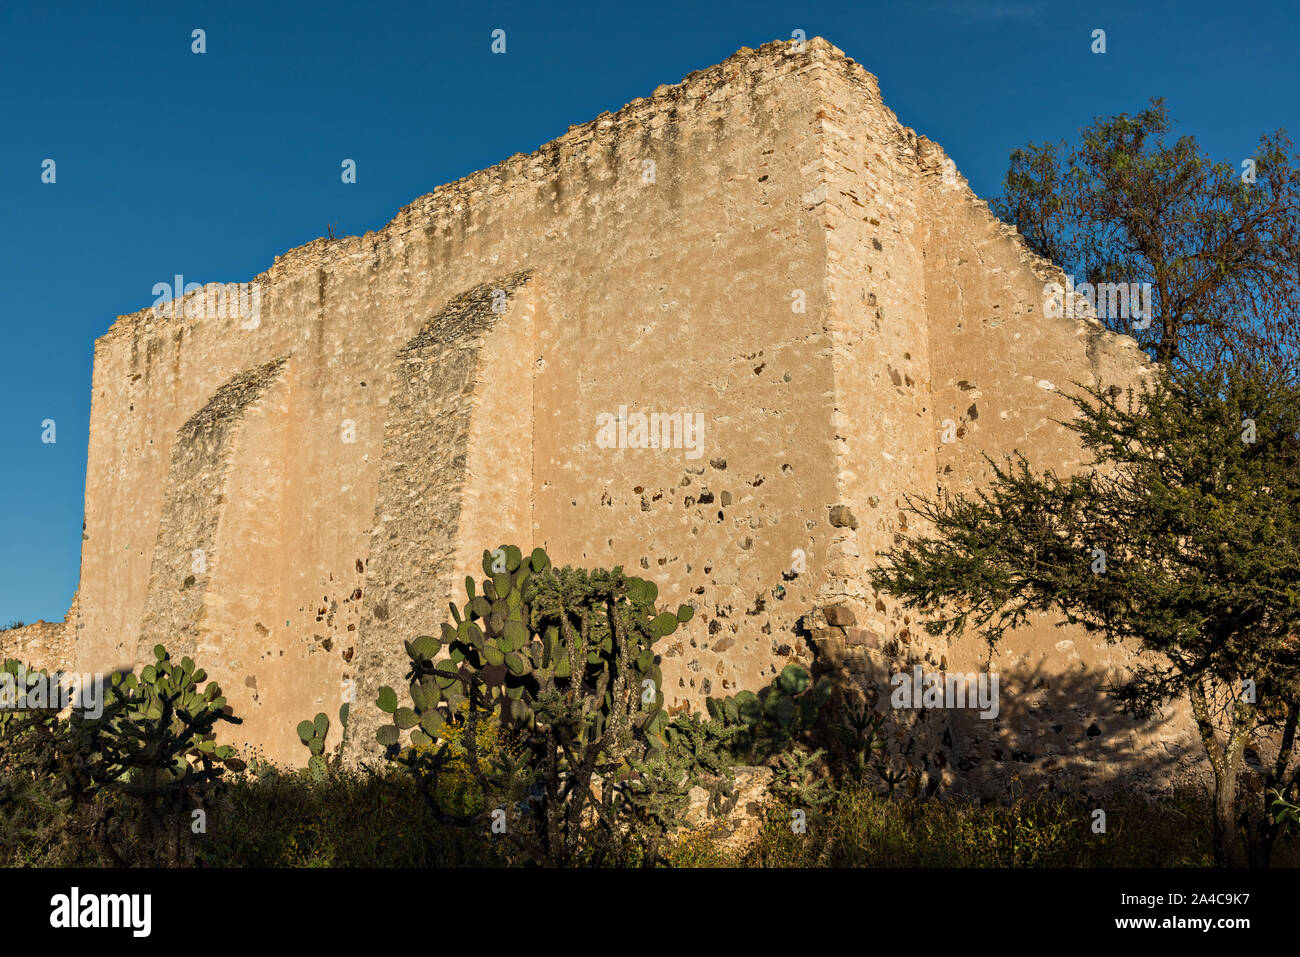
<point x="737" y="74"/>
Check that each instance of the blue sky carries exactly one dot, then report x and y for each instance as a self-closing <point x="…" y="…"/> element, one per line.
<point x="209" y="166"/>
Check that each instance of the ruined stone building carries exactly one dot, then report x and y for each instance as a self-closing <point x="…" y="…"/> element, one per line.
<point x="762" y="249"/>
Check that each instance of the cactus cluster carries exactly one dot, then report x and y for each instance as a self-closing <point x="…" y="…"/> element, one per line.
<point x="770" y="720"/>
<point x="20" y="678"/>
<point x="160" y="719"/>
<point x="562" y="662"/>
<point x="19" y="727"/>
<point x="533" y="631"/>
<point x="313" y="734"/>
<point x="153" y="741"/>
<point x="164" y="711"/>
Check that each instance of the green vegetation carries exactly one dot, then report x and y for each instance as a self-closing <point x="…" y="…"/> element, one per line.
<point x="1217" y="241"/>
<point x="1181" y="537"/>
<point x="114" y="783"/>
<point x="269" y="817"/>
<point x="530" y="763"/>
<point x="561" y="664"/>
<point x="313" y="734"/>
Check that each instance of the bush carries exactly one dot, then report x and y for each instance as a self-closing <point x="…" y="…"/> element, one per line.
<point x="353" y="817"/>
<point x="863" y="828"/>
<point x="116" y="787"/>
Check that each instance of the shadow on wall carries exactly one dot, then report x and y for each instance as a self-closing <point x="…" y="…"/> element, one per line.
<point x="1053" y="733"/>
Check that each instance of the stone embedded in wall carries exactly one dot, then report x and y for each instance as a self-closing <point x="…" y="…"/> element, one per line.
<point x="842" y="517"/>
<point x="840" y="615"/>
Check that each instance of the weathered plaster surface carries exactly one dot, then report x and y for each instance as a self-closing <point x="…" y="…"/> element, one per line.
<point x="762" y="244"/>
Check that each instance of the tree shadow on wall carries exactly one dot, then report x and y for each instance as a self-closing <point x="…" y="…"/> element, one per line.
<point x="1052" y="734"/>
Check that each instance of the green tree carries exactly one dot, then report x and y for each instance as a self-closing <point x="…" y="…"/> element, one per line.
<point x="1219" y="242"/>
<point x="1182" y="537"/>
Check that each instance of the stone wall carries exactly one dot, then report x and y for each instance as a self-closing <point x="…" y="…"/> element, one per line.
<point x="451" y="428"/>
<point x="42" y="645"/>
<point x="940" y="333"/>
<point x="763" y="245"/>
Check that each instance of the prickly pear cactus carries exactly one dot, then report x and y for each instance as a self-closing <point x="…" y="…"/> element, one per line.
<point x="150" y="739"/>
<point x="16" y="681"/>
<point x="312" y="734"/>
<point x="563" y="661"/>
<point x="769" y="722"/>
<point x="532" y="633"/>
<point x="163" y="724"/>
<point x="26" y="718"/>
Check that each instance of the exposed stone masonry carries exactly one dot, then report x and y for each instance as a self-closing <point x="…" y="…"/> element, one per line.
<point x="762" y="244"/>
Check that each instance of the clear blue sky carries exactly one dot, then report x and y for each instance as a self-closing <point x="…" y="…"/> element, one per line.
<point x="209" y="166"/>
